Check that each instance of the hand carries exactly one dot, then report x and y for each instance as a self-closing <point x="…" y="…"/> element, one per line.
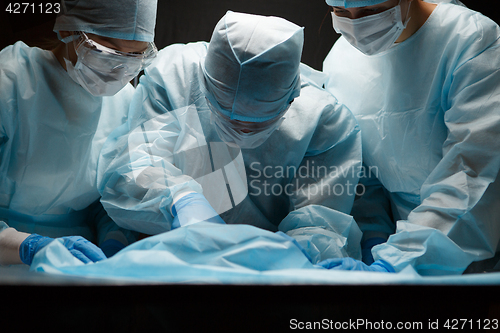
<point x="78" y="246"/>
<point x="349" y="264"/>
<point x="193" y="208"/>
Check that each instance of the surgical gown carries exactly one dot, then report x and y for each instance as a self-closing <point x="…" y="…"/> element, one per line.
<point x="429" y="112"/>
<point x="314" y="157"/>
<point x="51" y="133"/>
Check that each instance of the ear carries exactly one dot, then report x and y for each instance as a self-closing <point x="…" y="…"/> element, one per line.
<point x="64" y="34"/>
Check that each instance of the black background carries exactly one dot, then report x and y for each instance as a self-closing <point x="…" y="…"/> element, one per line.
<point x="179" y="308"/>
<point x="183" y="21"/>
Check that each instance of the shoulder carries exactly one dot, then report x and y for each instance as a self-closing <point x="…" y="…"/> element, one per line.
<point x="177" y="57"/>
<point x="14" y="58"/>
<point x="20" y="62"/>
<point x="464" y="29"/>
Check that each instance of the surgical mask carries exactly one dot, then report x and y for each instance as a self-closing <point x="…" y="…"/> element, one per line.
<point x="103" y="71"/>
<point x="245" y="135"/>
<point x="372" y="34"/>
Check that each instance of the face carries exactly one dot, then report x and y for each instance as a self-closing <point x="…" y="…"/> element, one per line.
<point x="359" y="12"/>
<point x="122" y="45"/>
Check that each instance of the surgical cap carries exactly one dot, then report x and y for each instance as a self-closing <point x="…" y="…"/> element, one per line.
<point x="353" y="3"/>
<point x="251" y="71"/>
<point x="122" y="19"/>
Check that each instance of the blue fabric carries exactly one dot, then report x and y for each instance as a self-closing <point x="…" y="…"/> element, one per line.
<point x="349" y="264"/>
<point x="353" y="3"/>
<point x="222" y="254"/>
<point x="78" y="246"/>
<point x="251" y="69"/>
<point x="432" y="145"/>
<point x="122" y="19"/>
<point x="51" y="133"/>
<point x="307" y="168"/>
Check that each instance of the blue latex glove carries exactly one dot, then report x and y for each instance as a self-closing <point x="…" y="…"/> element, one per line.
<point x="110" y="247"/>
<point x="349" y="264"/>
<point x="79" y="247"/>
<point x="193" y="208"/>
<point x="366" y="248"/>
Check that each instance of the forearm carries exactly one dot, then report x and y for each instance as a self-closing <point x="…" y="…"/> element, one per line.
<point x="10" y="241"/>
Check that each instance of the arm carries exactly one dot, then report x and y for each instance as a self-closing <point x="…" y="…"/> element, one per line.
<point x="10" y="241"/>
<point x="140" y="168"/>
<point x="456" y="222"/>
<point x="323" y="195"/>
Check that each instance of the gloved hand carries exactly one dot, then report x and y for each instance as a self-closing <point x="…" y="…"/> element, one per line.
<point x="366" y="248"/>
<point x="349" y="264"/>
<point x="79" y="247"/>
<point x="193" y="208"/>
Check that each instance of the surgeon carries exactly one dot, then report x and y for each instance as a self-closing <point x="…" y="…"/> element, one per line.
<point x="228" y="132"/>
<point x="56" y="109"/>
<point x="422" y="79"/>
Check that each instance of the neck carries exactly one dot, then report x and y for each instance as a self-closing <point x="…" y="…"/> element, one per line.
<point x="419" y="13"/>
<point x="60" y="52"/>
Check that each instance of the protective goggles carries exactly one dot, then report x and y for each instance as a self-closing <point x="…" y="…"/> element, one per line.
<point x="247" y="126"/>
<point x="107" y="60"/>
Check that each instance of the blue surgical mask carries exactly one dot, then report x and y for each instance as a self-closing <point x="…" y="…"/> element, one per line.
<point x="236" y="138"/>
<point x="372" y="34"/>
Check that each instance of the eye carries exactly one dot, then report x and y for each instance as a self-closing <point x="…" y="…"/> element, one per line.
<point x="373" y="10"/>
<point x="338" y="10"/>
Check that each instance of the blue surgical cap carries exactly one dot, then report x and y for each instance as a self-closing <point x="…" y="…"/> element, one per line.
<point x="251" y="70"/>
<point x="353" y="3"/>
<point x="123" y="19"/>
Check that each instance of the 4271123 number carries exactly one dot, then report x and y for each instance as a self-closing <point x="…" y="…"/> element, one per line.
<point x="461" y="324"/>
<point x="33" y="8"/>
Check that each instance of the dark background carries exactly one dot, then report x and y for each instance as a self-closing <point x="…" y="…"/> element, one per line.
<point x="226" y="308"/>
<point x="183" y="21"/>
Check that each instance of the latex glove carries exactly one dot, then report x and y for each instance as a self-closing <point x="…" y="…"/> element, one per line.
<point x="79" y="247"/>
<point x="366" y="248"/>
<point x="193" y="208"/>
<point x="349" y="264"/>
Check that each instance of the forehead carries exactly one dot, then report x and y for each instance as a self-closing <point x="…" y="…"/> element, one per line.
<point x="122" y="45"/>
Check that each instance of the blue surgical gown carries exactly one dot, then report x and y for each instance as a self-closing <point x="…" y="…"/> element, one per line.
<point x="312" y="159"/>
<point x="51" y="133"/>
<point x="429" y="112"/>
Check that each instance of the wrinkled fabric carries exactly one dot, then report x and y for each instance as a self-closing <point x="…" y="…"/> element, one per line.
<point x="211" y="253"/>
<point x="251" y="68"/>
<point x="122" y="19"/>
<point x="201" y="252"/>
<point x="51" y="133"/>
<point x="428" y="111"/>
<point x="169" y="145"/>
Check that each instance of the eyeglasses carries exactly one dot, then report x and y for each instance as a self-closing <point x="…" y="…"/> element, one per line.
<point x="105" y="59"/>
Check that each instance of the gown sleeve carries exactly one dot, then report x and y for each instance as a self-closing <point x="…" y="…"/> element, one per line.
<point x="457" y="220"/>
